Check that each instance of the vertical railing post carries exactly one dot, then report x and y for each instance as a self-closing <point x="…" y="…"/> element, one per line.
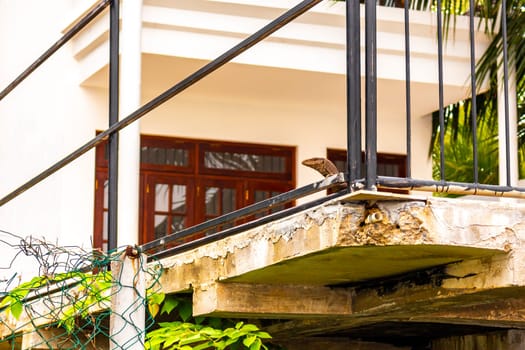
<point x="371" y="94"/>
<point x="113" y="118"/>
<point x="353" y="90"/>
<point x="439" y="19"/>
<point x="408" y="101"/>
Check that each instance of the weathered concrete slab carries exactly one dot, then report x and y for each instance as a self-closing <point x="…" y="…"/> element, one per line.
<point x="375" y="258"/>
<point x="343" y="242"/>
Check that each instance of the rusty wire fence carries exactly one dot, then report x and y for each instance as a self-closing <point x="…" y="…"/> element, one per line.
<point x="76" y="298"/>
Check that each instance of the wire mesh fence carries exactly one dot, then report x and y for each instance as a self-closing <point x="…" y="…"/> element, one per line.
<point x="77" y="299"/>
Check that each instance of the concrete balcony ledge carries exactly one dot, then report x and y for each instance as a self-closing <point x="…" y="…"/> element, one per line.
<point x="349" y="241"/>
<point x="368" y="255"/>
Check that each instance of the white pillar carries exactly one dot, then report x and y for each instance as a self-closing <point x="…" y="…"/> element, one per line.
<point x="128" y="311"/>
<point x="129" y="139"/>
<point x="513" y="127"/>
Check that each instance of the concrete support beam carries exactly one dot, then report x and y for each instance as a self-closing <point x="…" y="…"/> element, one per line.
<point x="270" y="301"/>
<point x="509" y="312"/>
<point x="505" y="340"/>
<point x="479" y="292"/>
<point x="336" y="344"/>
<point x="472" y="282"/>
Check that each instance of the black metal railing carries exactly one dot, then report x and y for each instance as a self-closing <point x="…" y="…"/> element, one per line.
<point x="164" y="246"/>
<point x="508" y="189"/>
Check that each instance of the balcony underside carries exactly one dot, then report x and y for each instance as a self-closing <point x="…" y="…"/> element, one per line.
<point x="359" y="262"/>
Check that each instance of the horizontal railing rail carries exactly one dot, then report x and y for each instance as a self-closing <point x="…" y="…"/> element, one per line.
<point x="451" y="187"/>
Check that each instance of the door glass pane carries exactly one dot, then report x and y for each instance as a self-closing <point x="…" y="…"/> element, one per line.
<point x="161" y="225"/>
<point x="228" y="200"/>
<point x="270" y="164"/>
<point x="212" y="198"/>
<point x="161" y="197"/>
<point x="158" y="156"/>
<point x="178" y="222"/>
<point x="260" y="195"/>
<point x="105" y="226"/>
<point x="106" y="195"/>
<point x="178" y="199"/>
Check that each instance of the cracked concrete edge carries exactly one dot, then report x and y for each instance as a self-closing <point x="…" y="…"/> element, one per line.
<point x="485" y="225"/>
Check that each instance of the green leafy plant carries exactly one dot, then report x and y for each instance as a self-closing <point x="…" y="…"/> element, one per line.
<point x="86" y="289"/>
<point x="13" y="301"/>
<point x="190" y="336"/>
<point x="198" y="333"/>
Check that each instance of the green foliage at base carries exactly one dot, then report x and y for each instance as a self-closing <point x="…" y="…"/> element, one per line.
<point x="80" y="292"/>
<point x="190" y="336"/>
<point x="199" y="333"/>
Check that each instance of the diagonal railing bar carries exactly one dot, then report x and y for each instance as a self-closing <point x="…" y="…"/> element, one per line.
<point x="193" y="78"/>
<point x="252" y="209"/>
<point x="92" y="14"/>
<point x="242" y="227"/>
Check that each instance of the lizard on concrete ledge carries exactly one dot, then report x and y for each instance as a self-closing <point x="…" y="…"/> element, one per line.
<point x="326" y="168"/>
